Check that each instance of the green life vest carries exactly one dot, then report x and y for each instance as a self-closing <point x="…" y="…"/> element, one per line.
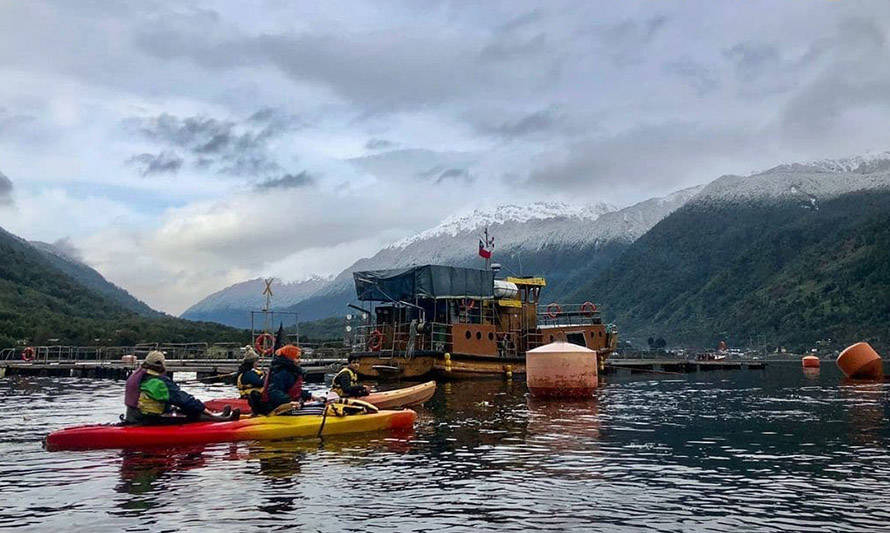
<point x="153" y="396"/>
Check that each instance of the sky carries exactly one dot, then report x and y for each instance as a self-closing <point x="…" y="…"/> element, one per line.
<point x="179" y="147"/>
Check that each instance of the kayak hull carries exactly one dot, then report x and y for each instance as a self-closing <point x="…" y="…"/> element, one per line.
<point x="257" y="428"/>
<point x="382" y="400"/>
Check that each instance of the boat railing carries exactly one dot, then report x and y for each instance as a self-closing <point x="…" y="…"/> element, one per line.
<point x="555" y="315"/>
<point x="391" y="338"/>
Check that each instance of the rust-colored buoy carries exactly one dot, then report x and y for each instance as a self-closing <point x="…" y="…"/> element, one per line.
<point x="561" y="370"/>
<point x="810" y="361"/>
<point x="860" y="361"/>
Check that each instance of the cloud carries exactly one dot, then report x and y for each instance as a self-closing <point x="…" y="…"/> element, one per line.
<point x="67" y="247"/>
<point x="379" y="144"/>
<point x="752" y="59"/>
<point x="548" y="120"/>
<point x="162" y="163"/>
<point x="399" y="104"/>
<point x="5" y="190"/>
<point x="288" y="181"/>
<point x="237" y="148"/>
<point x="461" y="174"/>
<point x="696" y="75"/>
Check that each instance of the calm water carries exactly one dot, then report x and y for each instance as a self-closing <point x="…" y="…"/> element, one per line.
<point x="718" y="451"/>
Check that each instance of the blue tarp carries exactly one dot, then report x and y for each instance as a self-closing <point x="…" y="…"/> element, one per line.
<point x="426" y="281"/>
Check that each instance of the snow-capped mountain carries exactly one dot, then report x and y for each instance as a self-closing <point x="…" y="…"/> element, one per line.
<point x="556" y="240"/>
<point x="502" y="214"/>
<point x="550" y="238"/>
<point x="233" y="304"/>
<point x="808" y="182"/>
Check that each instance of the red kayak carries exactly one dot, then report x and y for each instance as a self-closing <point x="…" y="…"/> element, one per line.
<point x="383" y="400"/>
<point x="256" y="428"/>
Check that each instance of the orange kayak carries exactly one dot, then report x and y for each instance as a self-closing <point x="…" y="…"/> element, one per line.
<point x="382" y="400"/>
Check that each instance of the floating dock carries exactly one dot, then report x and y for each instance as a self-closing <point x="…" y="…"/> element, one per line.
<point x="682" y="365"/>
<point x="207" y="370"/>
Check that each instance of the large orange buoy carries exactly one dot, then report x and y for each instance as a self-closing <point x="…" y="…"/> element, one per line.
<point x="561" y="369"/>
<point x="860" y="361"/>
<point x="810" y="361"/>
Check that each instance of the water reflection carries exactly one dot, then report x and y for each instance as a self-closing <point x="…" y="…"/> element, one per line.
<point x="717" y="451"/>
<point x="812" y="373"/>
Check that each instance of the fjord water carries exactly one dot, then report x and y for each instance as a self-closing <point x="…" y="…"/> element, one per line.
<point x="773" y="450"/>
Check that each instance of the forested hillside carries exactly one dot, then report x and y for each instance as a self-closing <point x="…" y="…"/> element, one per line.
<point x="39" y="302"/>
<point x="781" y="272"/>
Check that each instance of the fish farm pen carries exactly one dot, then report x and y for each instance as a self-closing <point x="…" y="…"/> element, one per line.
<point x="209" y="362"/>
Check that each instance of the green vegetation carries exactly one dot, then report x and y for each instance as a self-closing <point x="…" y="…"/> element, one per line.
<point x="788" y="275"/>
<point x="326" y="329"/>
<point x="39" y="302"/>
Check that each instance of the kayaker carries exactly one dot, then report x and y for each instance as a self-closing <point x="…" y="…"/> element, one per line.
<point x="286" y="379"/>
<point x="249" y="378"/>
<point x="151" y="397"/>
<point x="345" y="383"/>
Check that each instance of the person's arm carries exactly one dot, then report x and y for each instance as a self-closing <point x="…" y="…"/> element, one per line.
<point x="185" y="401"/>
<point x="252" y="378"/>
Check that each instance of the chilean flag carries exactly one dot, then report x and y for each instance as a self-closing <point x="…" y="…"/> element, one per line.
<point x="482" y="251"/>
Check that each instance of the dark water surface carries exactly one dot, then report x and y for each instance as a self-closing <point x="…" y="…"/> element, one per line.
<point x="773" y="450"/>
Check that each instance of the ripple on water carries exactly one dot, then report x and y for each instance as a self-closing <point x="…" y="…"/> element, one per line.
<point x="745" y="451"/>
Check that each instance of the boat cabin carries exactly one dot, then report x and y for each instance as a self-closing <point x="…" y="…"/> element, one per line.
<point x="467" y="313"/>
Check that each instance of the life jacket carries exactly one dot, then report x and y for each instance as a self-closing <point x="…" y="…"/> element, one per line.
<point x="131" y="391"/>
<point x="245" y="388"/>
<point x="296" y="390"/>
<point x="353" y="378"/>
<point x="349" y="406"/>
<point x="153" y="396"/>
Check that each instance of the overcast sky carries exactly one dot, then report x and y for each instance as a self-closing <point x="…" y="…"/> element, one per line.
<point x="183" y="146"/>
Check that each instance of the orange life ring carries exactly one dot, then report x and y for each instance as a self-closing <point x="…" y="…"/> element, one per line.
<point x="469" y="304"/>
<point x="375" y="340"/>
<point x="264" y="343"/>
<point x="553" y="310"/>
<point x="588" y="308"/>
<point x="28" y="354"/>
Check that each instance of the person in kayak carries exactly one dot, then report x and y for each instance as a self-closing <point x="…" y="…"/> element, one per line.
<point x="249" y="378"/>
<point x="151" y="397"/>
<point x="286" y="379"/>
<point x="345" y="383"/>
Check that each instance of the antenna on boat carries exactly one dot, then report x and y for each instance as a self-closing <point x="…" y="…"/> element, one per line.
<point x="267" y="292"/>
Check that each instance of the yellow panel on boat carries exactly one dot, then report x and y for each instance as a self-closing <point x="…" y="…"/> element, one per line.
<point x="509" y="303"/>
<point x="537" y="282"/>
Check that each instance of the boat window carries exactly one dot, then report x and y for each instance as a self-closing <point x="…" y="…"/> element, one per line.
<point x="576" y="338"/>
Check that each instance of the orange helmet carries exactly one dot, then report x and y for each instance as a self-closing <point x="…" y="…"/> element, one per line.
<point x="289" y="351"/>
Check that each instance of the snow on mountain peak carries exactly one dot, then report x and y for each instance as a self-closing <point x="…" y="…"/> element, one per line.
<point x="481" y="218"/>
<point x="822" y="179"/>
<point x="859" y="164"/>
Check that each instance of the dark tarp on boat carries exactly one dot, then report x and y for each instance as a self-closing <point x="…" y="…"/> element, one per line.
<point x="426" y="281"/>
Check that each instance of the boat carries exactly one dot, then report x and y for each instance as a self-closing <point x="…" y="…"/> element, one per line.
<point x="94" y="437"/>
<point x="456" y="322"/>
<point x="382" y="400"/>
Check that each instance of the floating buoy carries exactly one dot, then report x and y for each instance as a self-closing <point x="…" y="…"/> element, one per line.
<point x="561" y="369"/>
<point x="810" y="361"/>
<point x="860" y="361"/>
